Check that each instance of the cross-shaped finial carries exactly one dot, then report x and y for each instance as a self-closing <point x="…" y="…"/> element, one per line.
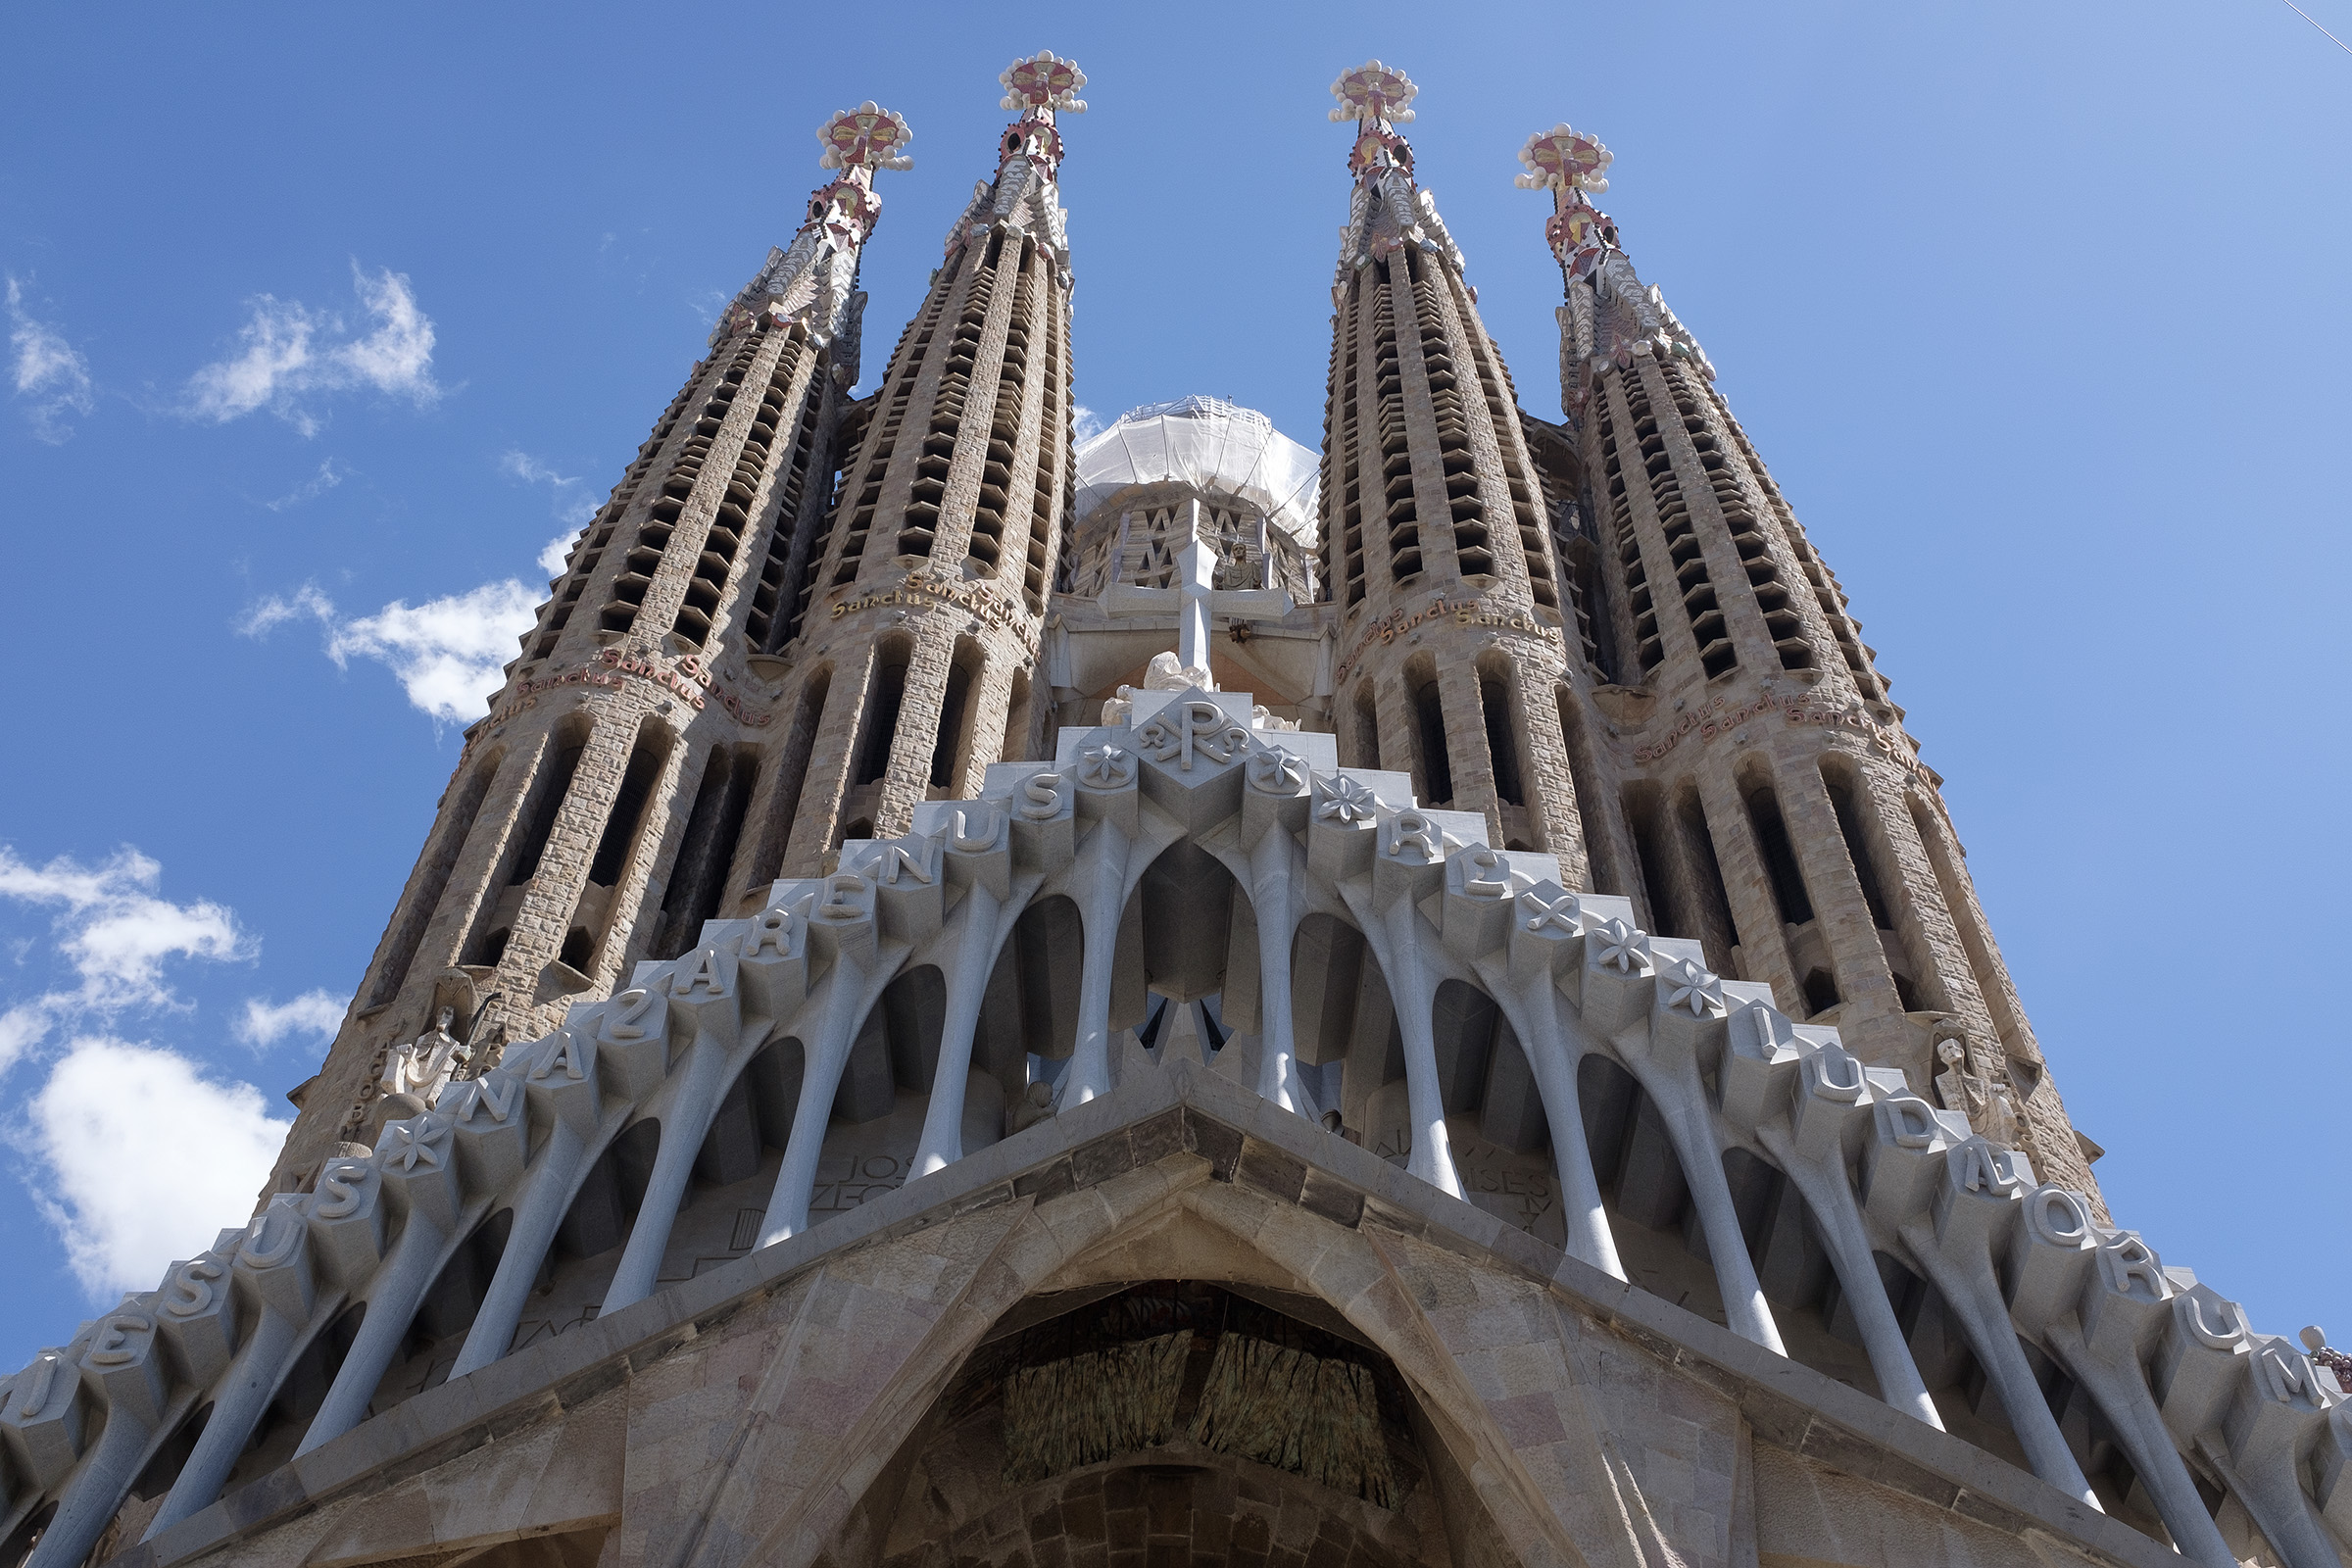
<point x="1561" y="158"/>
<point x="1195" y="596"/>
<point x="1374" y="91"/>
<point x="1043" y="80"/>
<point x="867" y="137"/>
<point x="1568" y="164"/>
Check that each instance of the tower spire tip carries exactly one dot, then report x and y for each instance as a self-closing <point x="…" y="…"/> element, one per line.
<point x="1374" y="91"/>
<point x="867" y="137"/>
<point x="1561" y="158"/>
<point x="1043" y="80"/>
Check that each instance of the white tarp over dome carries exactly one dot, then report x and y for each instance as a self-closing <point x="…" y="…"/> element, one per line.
<point x="1213" y="445"/>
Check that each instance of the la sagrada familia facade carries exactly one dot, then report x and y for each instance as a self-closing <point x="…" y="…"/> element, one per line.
<point x="1177" y="1000"/>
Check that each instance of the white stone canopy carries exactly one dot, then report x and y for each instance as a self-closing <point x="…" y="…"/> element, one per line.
<point x="1215" y="446"/>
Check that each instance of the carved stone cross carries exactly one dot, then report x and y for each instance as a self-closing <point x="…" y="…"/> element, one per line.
<point x="1195" y="598"/>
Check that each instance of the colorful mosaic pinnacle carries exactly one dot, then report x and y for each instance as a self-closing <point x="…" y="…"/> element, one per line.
<point x="1374" y="91"/>
<point x="1564" y="159"/>
<point x="868" y="137"/>
<point x="1043" y="80"/>
<point x="1569" y="164"/>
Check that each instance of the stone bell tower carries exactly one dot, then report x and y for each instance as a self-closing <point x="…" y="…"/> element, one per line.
<point x="631" y="775"/>
<point x="1748" y="781"/>
<point x="1437" y="552"/>
<point x="917" y="626"/>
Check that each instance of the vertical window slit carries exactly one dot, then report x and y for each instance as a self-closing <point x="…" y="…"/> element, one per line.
<point x="1429" y="733"/>
<point x="698" y="878"/>
<point x="440" y="861"/>
<point x="1779" y="855"/>
<point x="1641" y="815"/>
<point x="881" y="724"/>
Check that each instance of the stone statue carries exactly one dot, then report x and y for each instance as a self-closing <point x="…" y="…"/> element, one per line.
<point x="423" y="1066"/>
<point x="1036" y="1105"/>
<point x="1987" y="1104"/>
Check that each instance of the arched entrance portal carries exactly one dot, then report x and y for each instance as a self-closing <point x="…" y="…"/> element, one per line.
<point x="1172" y="1422"/>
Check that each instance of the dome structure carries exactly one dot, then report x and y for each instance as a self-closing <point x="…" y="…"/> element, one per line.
<point x="1213" y="445"/>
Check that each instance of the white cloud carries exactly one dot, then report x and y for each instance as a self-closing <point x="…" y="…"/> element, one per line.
<point x="325" y="479"/>
<point x="146" y="1158"/>
<point x="272" y="610"/>
<point x="48" y="373"/>
<point x="1085" y="423"/>
<point x="574" y="510"/>
<point x="318" y="1014"/>
<point x="450" y="653"/>
<point x="555" y="553"/>
<point x="287" y="357"/>
<point x="116" y="933"/>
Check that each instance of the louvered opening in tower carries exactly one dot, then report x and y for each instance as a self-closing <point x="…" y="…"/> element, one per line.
<point x="1053" y="442"/>
<point x="645" y="555"/>
<point x="1327" y="490"/>
<point x="1649" y="649"/>
<point x="1345" y="568"/>
<point x="1781" y="620"/>
<point x="1708" y="628"/>
<point x="740" y="503"/>
<point x="989" y="513"/>
<point x="1396" y="459"/>
<point x="1819" y="580"/>
<point x="1503" y="402"/>
<point x="860" y="494"/>
<point x="918" y="529"/>
<point x="587" y="557"/>
<point x="1466" y="510"/>
<point x="773" y="589"/>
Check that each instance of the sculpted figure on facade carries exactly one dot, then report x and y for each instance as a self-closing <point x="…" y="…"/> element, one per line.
<point x="424" y="1067"/>
<point x="1986" y="1103"/>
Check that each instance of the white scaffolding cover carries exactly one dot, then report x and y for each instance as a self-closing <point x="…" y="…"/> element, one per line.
<point x="1215" y="446"/>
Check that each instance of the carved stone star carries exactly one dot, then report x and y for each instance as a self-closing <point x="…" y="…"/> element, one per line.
<point x="408" y="1145"/>
<point x="1695" y="990"/>
<point x="1622" y="948"/>
<point x="1105" y="768"/>
<point x="1276" y="772"/>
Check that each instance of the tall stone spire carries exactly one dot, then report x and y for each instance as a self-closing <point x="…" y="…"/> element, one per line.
<point x="627" y="781"/>
<point x="814" y="280"/>
<point x="1752" y="784"/>
<point x="918" y="626"/>
<point x="1435" y="541"/>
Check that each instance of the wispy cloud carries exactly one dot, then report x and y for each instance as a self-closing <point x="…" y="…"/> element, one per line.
<point x="290" y="355"/>
<point x="116" y="933"/>
<point x="50" y="376"/>
<point x="272" y="610"/>
<point x="122" y="1181"/>
<point x="450" y="653"/>
<point x="318" y="484"/>
<point x="1085" y="425"/>
<point x="315" y="1013"/>
<point x="572" y="508"/>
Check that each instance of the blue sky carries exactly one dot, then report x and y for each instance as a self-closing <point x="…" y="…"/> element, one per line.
<point x="322" y="326"/>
